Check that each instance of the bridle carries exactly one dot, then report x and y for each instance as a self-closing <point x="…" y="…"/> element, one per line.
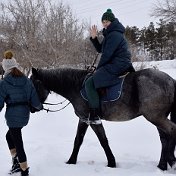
<point x="53" y="104"/>
<point x="37" y="85"/>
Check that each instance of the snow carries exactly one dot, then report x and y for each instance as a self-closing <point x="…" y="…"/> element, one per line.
<point x="49" y="137"/>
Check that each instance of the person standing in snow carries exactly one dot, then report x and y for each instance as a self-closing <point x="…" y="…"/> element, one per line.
<point x="115" y="61"/>
<point x="19" y="94"/>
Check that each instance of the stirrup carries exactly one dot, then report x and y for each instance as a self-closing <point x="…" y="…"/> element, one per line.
<point x="95" y="122"/>
<point x="89" y="122"/>
<point x="85" y="120"/>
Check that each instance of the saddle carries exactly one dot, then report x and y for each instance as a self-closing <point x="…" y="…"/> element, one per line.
<point x="108" y="94"/>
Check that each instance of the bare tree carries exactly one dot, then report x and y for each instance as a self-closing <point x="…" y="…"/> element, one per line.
<point x="42" y="34"/>
<point x="166" y="10"/>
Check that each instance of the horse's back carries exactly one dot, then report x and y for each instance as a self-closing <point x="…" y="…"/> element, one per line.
<point x="144" y="92"/>
<point x="155" y="91"/>
<point x="154" y="82"/>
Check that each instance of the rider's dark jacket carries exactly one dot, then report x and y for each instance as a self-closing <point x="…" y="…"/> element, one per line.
<point x="115" y="58"/>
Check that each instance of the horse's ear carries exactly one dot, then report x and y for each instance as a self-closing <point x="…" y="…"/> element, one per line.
<point x="34" y="71"/>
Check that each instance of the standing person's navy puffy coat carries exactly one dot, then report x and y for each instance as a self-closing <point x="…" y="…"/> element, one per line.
<point x="20" y="96"/>
<point x="18" y="93"/>
<point x="115" y="58"/>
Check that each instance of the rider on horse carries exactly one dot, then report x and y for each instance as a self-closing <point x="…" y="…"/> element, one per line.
<point x="115" y="61"/>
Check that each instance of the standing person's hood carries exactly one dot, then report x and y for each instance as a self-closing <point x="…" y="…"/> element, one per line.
<point x="15" y="81"/>
<point x="114" y="26"/>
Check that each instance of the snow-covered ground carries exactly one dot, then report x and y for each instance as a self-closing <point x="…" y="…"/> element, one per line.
<point x="48" y="141"/>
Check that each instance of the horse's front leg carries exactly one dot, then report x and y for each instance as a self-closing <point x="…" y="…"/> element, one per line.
<point x="81" y="131"/>
<point x="100" y="132"/>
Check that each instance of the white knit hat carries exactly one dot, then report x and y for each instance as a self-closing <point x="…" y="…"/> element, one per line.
<point x="8" y="64"/>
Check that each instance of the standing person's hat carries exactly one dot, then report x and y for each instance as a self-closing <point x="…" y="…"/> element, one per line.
<point x="108" y="15"/>
<point x="8" y="54"/>
<point x="9" y="61"/>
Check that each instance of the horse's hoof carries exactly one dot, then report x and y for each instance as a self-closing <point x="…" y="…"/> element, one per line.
<point x="163" y="166"/>
<point x="174" y="165"/>
<point x="112" y="165"/>
<point x="71" y="162"/>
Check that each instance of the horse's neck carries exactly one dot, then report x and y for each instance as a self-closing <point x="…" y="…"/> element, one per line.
<point x="65" y="82"/>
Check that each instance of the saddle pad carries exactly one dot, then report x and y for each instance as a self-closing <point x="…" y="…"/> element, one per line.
<point x="112" y="93"/>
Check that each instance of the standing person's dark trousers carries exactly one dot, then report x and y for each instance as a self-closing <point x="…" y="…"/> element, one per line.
<point x="15" y="141"/>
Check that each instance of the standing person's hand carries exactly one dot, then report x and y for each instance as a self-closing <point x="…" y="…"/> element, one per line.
<point x="93" y="31"/>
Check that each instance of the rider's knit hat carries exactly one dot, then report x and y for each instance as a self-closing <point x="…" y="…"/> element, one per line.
<point x="108" y="15"/>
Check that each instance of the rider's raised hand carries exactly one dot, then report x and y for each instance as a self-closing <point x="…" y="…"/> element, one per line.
<point x="93" y="31"/>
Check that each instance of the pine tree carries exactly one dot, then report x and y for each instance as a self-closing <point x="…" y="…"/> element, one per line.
<point x="161" y="39"/>
<point x="150" y="41"/>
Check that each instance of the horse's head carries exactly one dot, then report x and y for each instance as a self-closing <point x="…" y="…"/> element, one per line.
<point x="42" y="91"/>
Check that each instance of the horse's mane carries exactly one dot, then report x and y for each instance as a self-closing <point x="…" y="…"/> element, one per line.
<point x="64" y="76"/>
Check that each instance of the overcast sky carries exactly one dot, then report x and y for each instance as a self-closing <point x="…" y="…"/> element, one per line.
<point x="129" y="12"/>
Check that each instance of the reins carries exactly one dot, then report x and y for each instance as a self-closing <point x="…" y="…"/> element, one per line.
<point x="55" y="103"/>
<point x="48" y="110"/>
<point x="92" y="67"/>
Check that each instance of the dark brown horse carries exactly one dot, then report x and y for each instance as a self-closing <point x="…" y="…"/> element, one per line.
<point x="148" y="92"/>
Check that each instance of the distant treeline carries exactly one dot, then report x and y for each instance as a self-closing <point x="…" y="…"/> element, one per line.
<point x="156" y="43"/>
<point x="43" y="34"/>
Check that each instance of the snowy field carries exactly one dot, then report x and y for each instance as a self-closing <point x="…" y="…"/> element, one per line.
<point x="49" y="137"/>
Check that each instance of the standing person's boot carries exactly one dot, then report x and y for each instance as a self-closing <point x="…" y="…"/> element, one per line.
<point x="25" y="173"/>
<point x="15" y="165"/>
<point x="24" y="169"/>
<point x="95" y="116"/>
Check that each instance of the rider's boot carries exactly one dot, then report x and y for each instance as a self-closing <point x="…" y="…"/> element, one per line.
<point x="95" y="116"/>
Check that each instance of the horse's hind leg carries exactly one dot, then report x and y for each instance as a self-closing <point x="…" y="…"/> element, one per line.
<point x="172" y="144"/>
<point x="167" y="131"/>
<point x="164" y="150"/>
<point x="100" y="132"/>
<point x="172" y="159"/>
<point x="81" y="130"/>
<point x="167" y="151"/>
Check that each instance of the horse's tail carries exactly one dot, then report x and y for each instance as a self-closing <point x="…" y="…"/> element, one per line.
<point x="173" y="110"/>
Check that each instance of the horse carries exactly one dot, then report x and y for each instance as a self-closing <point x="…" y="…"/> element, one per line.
<point x="148" y="92"/>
